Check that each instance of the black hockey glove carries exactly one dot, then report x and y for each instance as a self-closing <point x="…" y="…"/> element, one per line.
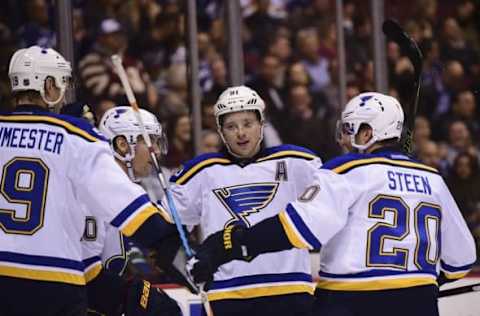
<point x="219" y="248"/>
<point x="171" y="258"/>
<point x="145" y="300"/>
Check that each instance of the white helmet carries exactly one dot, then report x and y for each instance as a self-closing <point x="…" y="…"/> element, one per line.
<point x="121" y="121"/>
<point x="30" y="67"/>
<point x="382" y="113"/>
<point x="236" y="99"/>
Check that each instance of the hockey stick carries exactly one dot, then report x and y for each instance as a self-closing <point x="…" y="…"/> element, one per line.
<point x="409" y="47"/>
<point x="460" y="290"/>
<point x="117" y="63"/>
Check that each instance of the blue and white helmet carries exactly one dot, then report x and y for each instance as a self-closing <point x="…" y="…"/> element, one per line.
<point x="122" y="121"/>
<point x="30" y="67"/>
<point x="236" y="99"/>
<point x="381" y="112"/>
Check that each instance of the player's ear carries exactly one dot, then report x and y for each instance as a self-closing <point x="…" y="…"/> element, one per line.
<point x="121" y="145"/>
<point x="49" y="85"/>
<point x="364" y="134"/>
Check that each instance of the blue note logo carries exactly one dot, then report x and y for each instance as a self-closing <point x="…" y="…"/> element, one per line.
<point x="246" y="199"/>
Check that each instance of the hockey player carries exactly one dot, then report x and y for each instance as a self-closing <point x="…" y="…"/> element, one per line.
<point x="243" y="185"/>
<point x="49" y="165"/>
<point x="388" y="228"/>
<point x="103" y="241"/>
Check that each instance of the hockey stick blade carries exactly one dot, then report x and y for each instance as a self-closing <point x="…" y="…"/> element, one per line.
<point x="460" y="290"/>
<point x="394" y="31"/>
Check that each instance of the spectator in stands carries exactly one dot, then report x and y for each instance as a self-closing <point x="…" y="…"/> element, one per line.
<point x="219" y="77"/>
<point x="464" y="182"/>
<point x="428" y="153"/>
<point x="467" y="20"/>
<point x="422" y="131"/>
<point x="210" y="142"/>
<point x="431" y="77"/>
<point x="262" y="23"/>
<point x="304" y="121"/>
<point x="452" y="83"/>
<point x="208" y="112"/>
<point x="459" y="140"/>
<point x="280" y="47"/>
<point x="180" y="147"/>
<point x="99" y="78"/>
<point x="37" y="30"/>
<point x="316" y="65"/>
<point x="264" y="83"/>
<point x="173" y="96"/>
<point x="455" y="47"/>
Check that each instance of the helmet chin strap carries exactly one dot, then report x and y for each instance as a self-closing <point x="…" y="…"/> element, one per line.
<point x="257" y="146"/>
<point x="362" y="148"/>
<point x="52" y="104"/>
<point x="128" y="161"/>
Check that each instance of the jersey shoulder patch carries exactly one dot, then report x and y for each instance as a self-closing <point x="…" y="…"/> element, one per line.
<point x="287" y="151"/>
<point x="197" y="164"/>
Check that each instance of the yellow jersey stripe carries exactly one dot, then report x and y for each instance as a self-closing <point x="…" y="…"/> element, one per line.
<point x="93" y="272"/>
<point x="199" y="166"/>
<point x="287" y="153"/>
<point x="402" y="163"/>
<point x="261" y="292"/>
<point x="456" y="275"/>
<point x="42" y="275"/>
<point x="166" y="216"/>
<point x="383" y="284"/>
<point x="291" y="232"/>
<point x="138" y="220"/>
<point x="35" y="118"/>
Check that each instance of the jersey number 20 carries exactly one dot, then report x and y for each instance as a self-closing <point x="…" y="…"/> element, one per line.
<point x="427" y="218"/>
<point x="24" y="184"/>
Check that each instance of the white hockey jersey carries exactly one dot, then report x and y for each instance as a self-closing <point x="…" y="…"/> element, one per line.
<point x="105" y="244"/>
<point x="49" y="163"/>
<point x="212" y="191"/>
<point x="386" y="222"/>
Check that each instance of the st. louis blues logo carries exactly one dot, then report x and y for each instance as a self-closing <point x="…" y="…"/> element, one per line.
<point x="243" y="200"/>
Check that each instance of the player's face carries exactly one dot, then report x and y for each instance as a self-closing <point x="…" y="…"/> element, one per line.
<point x="142" y="164"/>
<point x="242" y="132"/>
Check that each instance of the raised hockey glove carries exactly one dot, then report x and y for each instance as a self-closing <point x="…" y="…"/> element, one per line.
<point x="219" y="248"/>
<point x="145" y="300"/>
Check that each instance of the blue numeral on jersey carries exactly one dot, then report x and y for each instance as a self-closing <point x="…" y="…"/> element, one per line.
<point x="427" y="218"/>
<point x="427" y="251"/>
<point x="24" y="185"/>
<point x="382" y="231"/>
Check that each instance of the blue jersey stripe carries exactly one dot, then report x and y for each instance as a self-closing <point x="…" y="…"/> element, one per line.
<point x="450" y="268"/>
<point x="302" y="227"/>
<point x="261" y="278"/>
<point x="130" y="209"/>
<point x="91" y="260"/>
<point x="14" y="257"/>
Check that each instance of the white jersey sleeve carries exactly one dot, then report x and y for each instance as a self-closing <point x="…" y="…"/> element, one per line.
<point x="98" y="177"/>
<point x="319" y="212"/>
<point x="455" y="260"/>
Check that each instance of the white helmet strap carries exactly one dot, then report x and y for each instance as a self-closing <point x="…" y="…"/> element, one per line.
<point x="52" y="104"/>
<point x="128" y="160"/>
<point x="363" y="147"/>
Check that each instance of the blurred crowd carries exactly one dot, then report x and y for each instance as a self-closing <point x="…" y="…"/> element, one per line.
<point x="290" y="58"/>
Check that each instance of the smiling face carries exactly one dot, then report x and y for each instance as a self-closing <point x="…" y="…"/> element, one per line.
<point x="242" y="132"/>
